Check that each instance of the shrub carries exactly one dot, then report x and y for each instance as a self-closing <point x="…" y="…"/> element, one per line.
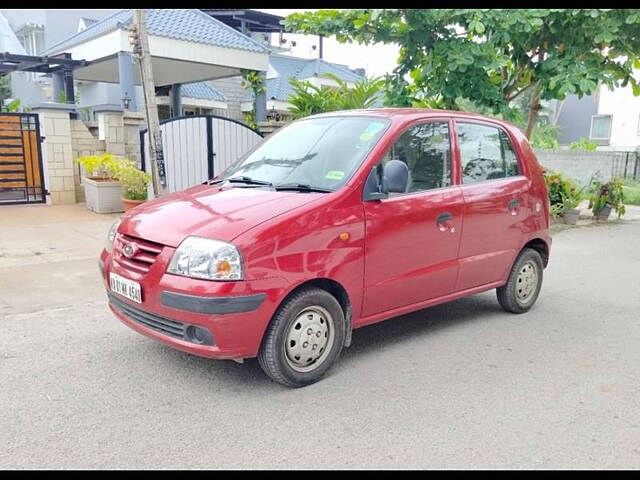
<point x="133" y="180"/>
<point x="583" y="144"/>
<point x="310" y="99"/>
<point x="103" y="166"/>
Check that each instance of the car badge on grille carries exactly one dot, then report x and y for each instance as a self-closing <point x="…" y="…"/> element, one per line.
<point x="129" y="250"/>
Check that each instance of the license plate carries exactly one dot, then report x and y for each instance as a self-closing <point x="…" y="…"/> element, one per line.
<point x="125" y="287"/>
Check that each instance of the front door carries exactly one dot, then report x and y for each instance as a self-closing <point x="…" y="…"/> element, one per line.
<point x="412" y="238"/>
<point x="496" y="202"/>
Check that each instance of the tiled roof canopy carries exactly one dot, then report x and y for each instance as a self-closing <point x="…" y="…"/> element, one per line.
<point x="181" y="24"/>
<point x="287" y="67"/>
<point x="202" y="90"/>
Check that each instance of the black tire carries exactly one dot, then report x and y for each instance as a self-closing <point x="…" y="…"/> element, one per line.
<point x="508" y="295"/>
<point x="273" y="357"/>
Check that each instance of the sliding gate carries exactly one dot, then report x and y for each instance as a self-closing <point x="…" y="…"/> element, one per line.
<point x="196" y="148"/>
<point x="21" y="177"/>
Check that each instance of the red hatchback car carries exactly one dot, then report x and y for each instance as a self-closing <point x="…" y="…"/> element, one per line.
<point x="336" y="221"/>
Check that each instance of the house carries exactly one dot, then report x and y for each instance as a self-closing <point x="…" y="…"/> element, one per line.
<point x="89" y="34"/>
<point x="36" y="30"/>
<point x="101" y="37"/>
<point x="284" y="67"/>
<point x="608" y="117"/>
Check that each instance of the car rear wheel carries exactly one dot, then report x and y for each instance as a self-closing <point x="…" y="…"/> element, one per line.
<point x="525" y="281"/>
<point x="304" y="339"/>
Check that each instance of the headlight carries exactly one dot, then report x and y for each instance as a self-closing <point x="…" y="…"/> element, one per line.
<point x="111" y="236"/>
<point x="199" y="257"/>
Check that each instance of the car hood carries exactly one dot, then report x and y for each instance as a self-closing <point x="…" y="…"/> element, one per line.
<point x="209" y="211"/>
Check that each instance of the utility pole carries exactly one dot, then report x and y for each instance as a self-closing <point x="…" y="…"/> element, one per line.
<point x="140" y="43"/>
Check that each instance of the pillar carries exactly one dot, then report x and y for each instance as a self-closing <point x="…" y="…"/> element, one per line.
<point x="68" y="86"/>
<point x="176" y="100"/>
<point x="57" y="154"/>
<point x="58" y="85"/>
<point x="261" y="104"/>
<point x="127" y="81"/>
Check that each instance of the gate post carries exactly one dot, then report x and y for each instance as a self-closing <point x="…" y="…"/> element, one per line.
<point x="210" y="153"/>
<point x="133" y="122"/>
<point x="57" y="154"/>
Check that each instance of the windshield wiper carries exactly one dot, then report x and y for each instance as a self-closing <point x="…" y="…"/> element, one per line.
<point x="211" y="181"/>
<point x="301" y="187"/>
<point x="248" y="180"/>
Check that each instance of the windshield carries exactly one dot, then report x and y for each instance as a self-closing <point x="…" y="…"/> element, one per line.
<point x="319" y="153"/>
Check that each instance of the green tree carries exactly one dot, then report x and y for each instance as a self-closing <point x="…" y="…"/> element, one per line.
<point x="493" y="56"/>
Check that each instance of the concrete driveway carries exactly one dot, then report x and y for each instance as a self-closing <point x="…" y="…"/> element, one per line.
<point x="461" y="385"/>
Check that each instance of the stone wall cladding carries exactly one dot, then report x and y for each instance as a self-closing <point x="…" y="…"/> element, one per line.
<point x="57" y="155"/>
<point x="232" y="88"/>
<point x="84" y="144"/>
<point x="580" y="165"/>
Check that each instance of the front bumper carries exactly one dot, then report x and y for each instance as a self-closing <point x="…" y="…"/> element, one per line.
<point x="236" y="314"/>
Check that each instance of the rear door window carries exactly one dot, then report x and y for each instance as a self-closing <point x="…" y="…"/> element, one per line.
<point x="486" y="153"/>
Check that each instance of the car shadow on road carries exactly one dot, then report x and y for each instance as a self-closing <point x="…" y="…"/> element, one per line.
<point x="398" y="330"/>
<point x="392" y="333"/>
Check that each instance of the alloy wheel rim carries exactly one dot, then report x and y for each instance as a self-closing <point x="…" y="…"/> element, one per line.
<point x="309" y="339"/>
<point x="526" y="282"/>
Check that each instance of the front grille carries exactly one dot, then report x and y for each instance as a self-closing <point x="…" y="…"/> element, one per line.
<point x="144" y="256"/>
<point x="160" y="324"/>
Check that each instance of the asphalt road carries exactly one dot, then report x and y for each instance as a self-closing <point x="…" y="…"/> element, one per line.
<point x="461" y="385"/>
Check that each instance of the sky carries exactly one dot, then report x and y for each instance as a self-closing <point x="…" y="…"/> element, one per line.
<point x="376" y="59"/>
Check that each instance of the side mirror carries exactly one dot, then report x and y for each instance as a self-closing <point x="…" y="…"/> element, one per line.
<point x="395" y="177"/>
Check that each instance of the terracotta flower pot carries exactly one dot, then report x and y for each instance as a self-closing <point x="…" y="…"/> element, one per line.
<point x="129" y="204"/>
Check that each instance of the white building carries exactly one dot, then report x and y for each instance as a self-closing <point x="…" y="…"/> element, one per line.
<point x="609" y="117"/>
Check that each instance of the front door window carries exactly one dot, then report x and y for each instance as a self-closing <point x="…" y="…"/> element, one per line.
<point x="426" y="149"/>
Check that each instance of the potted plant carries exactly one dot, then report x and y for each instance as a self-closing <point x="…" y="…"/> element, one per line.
<point x="569" y="208"/>
<point x="102" y="189"/>
<point x="134" y="183"/>
<point x="564" y="197"/>
<point x="606" y="197"/>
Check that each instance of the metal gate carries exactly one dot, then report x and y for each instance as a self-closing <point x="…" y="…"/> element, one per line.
<point x="196" y="148"/>
<point x="626" y="165"/>
<point x="21" y="177"/>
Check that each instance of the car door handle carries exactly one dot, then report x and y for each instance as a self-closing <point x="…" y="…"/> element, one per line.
<point x="512" y="208"/>
<point x="444" y="217"/>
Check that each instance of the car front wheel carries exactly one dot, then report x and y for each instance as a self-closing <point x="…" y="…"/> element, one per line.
<point x="525" y="281"/>
<point x="305" y="337"/>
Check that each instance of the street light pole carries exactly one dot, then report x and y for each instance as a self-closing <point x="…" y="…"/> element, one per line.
<point x="140" y="44"/>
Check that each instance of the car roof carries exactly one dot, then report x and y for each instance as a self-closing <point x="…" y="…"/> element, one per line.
<point x="408" y="114"/>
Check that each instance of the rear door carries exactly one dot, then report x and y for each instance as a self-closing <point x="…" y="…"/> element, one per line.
<point x="412" y="238"/>
<point x="496" y="202"/>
